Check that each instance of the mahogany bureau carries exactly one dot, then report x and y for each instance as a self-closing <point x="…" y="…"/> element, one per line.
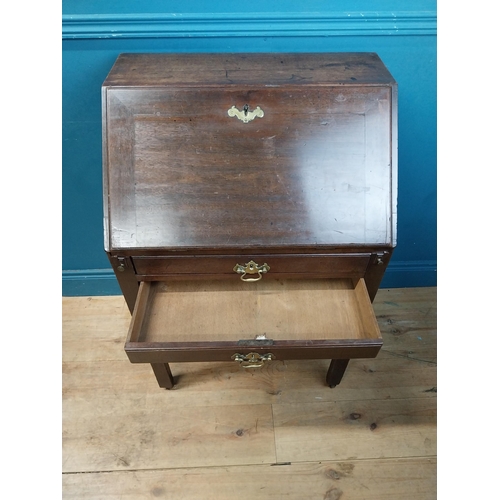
<point x="250" y="204"/>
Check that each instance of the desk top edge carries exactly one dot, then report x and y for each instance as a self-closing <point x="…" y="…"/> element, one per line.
<point x="178" y="69"/>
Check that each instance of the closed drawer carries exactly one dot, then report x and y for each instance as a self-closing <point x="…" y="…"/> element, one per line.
<point x="222" y="266"/>
<point x="282" y="319"/>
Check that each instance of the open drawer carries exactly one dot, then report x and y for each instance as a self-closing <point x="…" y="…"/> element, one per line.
<point x="252" y="323"/>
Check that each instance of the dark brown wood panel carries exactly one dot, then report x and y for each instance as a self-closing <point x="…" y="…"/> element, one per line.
<point x="126" y="277"/>
<point x="304" y="174"/>
<point x="328" y="265"/>
<point x="252" y="250"/>
<point x="376" y="270"/>
<point x="152" y="70"/>
<point x="214" y="351"/>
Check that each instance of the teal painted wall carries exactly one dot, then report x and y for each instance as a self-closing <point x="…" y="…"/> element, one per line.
<point x="95" y="32"/>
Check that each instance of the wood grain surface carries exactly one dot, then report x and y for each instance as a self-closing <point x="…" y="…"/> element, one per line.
<point x="387" y="479"/>
<point x="155" y="70"/>
<point x="193" y="311"/>
<point x="223" y="432"/>
<point x="317" y="168"/>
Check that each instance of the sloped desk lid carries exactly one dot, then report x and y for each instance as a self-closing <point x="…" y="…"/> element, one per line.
<point x="316" y="164"/>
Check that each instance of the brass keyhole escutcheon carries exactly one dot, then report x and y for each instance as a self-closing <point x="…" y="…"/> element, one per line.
<point x="251" y="268"/>
<point x="245" y="116"/>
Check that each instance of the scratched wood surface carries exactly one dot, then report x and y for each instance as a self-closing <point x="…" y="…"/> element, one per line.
<point x="387" y="479"/>
<point x="316" y="169"/>
<point x="226" y="433"/>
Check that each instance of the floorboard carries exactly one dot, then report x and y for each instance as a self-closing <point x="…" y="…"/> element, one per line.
<point x="275" y="432"/>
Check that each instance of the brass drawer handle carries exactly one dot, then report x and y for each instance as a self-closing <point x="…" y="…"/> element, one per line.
<point x="251" y="268"/>
<point x="245" y="116"/>
<point x="252" y="359"/>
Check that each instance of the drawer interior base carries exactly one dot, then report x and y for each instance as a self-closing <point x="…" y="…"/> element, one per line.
<point x="232" y="311"/>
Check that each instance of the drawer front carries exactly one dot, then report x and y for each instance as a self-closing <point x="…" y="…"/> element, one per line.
<point x="335" y="266"/>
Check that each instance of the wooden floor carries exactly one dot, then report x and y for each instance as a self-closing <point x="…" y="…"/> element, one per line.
<point x="226" y="433"/>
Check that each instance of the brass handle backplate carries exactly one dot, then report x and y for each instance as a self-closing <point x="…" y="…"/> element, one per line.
<point x="251" y="268"/>
<point x="245" y="116"/>
<point x="252" y="359"/>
